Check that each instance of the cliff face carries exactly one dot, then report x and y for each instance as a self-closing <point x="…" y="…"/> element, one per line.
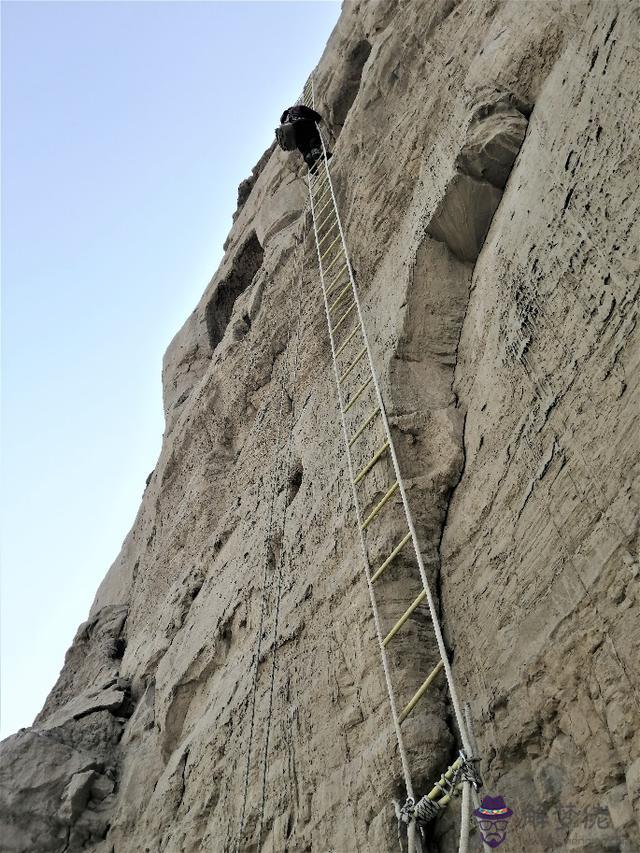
<point x="486" y="166"/>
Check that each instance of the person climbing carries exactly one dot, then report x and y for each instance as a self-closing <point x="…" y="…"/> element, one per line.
<point x="298" y="129"/>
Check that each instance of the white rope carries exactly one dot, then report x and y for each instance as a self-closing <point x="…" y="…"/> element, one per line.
<point x="266" y="586"/>
<point x="465" y="814"/>
<point x="412" y="833"/>
<point x="408" y="516"/>
<point x="258" y="648"/>
<point x="287" y="470"/>
<point x="475" y="796"/>
<point x="376" y="617"/>
<point x="413" y="838"/>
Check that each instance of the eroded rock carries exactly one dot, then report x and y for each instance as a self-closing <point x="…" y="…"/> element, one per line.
<point x="495" y="249"/>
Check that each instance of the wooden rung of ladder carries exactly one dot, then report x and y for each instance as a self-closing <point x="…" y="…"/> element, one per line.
<point x="447" y="776"/>
<point x="319" y="210"/>
<point x="391" y="557"/>
<point x="404" y="618"/>
<point x="340" y="297"/>
<point x="320" y="176"/>
<point x="322" y="197"/>
<point x="321" y="187"/>
<point x="343" y="318"/>
<point x="325" y="237"/>
<point x="364" y="425"/>
<point x="330" y="215"/>
<point x="347" y="339"/>
<point x="326" y="219"/>
<point x="338" y="255"/>
<point x="380" y="505"/>
<point x="353" y="365"/>
<point x="331" y="245"/>
<point x="319" y="179"/>
<point x="412" y="704"/>
<point x="333" y="290"/>
<point x="326" y="204"/>
<point x="358" y="394"/>
<point x="334" y="286"/>
<point x="324" y="191"/>
<point x="363" y="473"/>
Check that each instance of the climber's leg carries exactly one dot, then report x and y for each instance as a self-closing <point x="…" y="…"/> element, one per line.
<point x="309" y="143"/>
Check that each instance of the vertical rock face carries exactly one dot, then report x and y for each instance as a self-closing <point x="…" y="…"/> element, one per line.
<point x="486" y="165"/>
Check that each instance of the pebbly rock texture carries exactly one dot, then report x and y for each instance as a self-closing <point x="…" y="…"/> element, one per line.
<point x="486" y="167"/>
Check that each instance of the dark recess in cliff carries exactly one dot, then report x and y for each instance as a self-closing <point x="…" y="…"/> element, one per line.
<point x="351" y="83"/>
<point x="246" y="264"/>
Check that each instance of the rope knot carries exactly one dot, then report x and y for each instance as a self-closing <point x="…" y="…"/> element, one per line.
<point x="448" y="786"/>
<point x="405" y="813"/>
<point x="469" y="772"/>
<point x="426" y="810"/>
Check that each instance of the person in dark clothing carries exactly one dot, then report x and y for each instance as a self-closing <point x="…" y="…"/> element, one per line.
<point x="308" y="140"/>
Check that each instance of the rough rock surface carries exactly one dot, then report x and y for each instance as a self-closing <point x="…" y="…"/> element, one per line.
<point x="486" y="165"/>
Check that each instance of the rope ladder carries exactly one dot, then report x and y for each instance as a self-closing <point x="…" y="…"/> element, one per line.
<point x="351" y="356"/>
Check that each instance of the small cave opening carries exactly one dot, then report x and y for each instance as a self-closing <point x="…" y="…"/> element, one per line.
<point x="350" y="85"/>
<point x="244" y="268"/>
<point x="295" y="481"/>
<point x="118" y="648"/>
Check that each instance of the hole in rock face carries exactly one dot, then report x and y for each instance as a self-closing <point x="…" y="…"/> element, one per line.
<point x="462" y="219"/>
<point x="118" y="648"/>
<point x="295" y="481"/>
<point x="351" y="82"/>
<point x="493" y="141"/>
<point x="246" y="264"/>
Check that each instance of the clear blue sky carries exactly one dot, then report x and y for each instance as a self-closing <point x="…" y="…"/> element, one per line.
<point x="126" y="128"/>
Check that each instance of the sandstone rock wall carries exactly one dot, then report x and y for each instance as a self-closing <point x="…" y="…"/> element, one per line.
<point x="486" y="164"/>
